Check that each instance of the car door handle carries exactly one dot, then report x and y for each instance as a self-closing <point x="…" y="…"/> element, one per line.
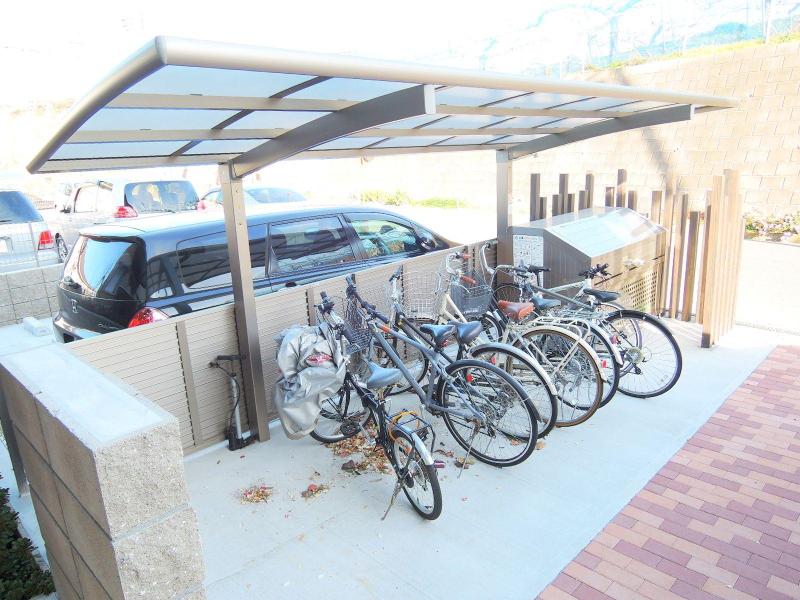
<point x="290" y="284"/>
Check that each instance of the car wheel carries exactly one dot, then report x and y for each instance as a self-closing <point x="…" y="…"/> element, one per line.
<point x="61" y="248"/>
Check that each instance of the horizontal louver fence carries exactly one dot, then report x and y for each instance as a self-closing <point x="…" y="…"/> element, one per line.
<point x="168" y="362"/>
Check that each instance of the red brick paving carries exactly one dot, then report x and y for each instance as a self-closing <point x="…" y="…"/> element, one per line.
<point x="721" y="520"/>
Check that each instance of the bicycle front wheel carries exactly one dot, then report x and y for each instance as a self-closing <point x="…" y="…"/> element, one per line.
<point x="510" y="429"/>
<point x="419" y="481"/>
<point x="571" y="367"/>
<point x="652" y="360"/>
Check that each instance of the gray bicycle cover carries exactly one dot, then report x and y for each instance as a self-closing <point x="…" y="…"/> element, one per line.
<point x="304" y="384"/>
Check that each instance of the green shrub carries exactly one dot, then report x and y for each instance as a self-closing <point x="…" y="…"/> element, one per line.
<point x="20" y="575"/>
<point x="396" y="198"/>
<point x="437" y="202"/>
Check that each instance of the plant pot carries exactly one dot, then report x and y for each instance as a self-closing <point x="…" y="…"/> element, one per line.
<point x="749" y="235"/>
<point x="774" y="237"/>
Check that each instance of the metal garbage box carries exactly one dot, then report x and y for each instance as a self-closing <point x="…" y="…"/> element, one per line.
<point x="631" y="244"/>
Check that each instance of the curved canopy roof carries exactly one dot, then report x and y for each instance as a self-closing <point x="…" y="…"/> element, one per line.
<point x="181" y="102"/>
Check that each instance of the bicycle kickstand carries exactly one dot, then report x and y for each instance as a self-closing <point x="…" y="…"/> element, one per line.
<point x="397" y="487"/>
<point x="475" y="429"/>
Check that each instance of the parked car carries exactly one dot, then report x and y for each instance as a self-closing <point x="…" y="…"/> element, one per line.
<point x="26" y="241"/>
<point x="97" y="202"/>
<point x="127" y="274"/>
<point x="253" y="196"/>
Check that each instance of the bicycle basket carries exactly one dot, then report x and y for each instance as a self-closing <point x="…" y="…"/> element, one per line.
<point x="470" y="293"/>
<point x="420" y="295"/>
<point x="356" y="322"/>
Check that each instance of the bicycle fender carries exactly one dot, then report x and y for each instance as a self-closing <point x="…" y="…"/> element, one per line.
<point x="419" y="445"/>
<point x="521" y="355"/>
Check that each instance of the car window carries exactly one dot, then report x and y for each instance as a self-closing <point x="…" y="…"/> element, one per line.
<point x="16" y="208"/>
<point x="86" y="199"/>
<point x="204" y="262"/>
<point x="161" y="196"/>
<point x="382" y="237"/>
<point x="309" y="244"/>
<point x="108" y="268"/>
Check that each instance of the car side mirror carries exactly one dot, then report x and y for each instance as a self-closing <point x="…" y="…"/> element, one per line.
<point x="427" y="243"/>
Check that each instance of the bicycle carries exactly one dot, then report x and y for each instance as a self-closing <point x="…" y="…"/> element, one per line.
<point x="401" y="435"/>
<point x="413" y="301"/>
<point x="570" y="362"/>
<point x="651" y="358"/>
<point x="485" y="409"/>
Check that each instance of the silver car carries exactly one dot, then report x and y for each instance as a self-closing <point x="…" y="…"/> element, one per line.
<point x="26" y="241"/>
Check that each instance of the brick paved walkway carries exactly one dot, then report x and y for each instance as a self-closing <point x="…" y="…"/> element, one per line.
<point x="722" y="518"/>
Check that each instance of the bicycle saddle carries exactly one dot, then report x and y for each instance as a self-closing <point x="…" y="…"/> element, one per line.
<point x="467" y="332"/>
<point x="515" y="310"/>
<point x="602" y="295"/>
<point x="381" y="378"/>
<point x="545" y="303"/>
<point x="535" y="269"/>
<point x="439" y="333"/>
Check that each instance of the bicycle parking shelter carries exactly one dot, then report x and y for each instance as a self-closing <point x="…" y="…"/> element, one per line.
<point x="183" y="102"/>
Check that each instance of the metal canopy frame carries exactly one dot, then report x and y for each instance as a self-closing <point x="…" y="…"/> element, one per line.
<point x="186" y="102"/>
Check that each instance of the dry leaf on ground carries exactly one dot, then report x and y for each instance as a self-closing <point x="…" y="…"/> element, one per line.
<point x="314" y="490"/>
<point x="256" y="493"/>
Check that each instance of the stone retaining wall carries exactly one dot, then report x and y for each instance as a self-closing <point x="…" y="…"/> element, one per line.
<point x="28" y="293"/>
<point x="106" y="479"/>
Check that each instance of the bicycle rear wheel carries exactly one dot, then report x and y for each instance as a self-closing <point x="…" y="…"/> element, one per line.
<point x="344" y="408"/>
<point x="510" y="431"/>
<point x="572" y="369"/>
<point x="521" y="368"/>
<point x="419" y="481"/>
<point x="652" y="360"/>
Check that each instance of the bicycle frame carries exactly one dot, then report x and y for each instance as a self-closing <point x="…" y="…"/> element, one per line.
<point x="434" y="359"/>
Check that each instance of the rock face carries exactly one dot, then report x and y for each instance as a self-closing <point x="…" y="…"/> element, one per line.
<point x="106" y="476"/>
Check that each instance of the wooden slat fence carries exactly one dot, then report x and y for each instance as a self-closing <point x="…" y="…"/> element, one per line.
<point x="168" y="362"/>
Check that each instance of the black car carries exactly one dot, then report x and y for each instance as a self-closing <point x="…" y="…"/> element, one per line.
<point x="124" y="275"/>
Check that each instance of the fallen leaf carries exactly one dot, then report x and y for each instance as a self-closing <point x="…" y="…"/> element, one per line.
<point x="540" y="444"/>
<point x="256" y="493"/>
<point x="313" y="490"/>
<point x="447" y="453"/>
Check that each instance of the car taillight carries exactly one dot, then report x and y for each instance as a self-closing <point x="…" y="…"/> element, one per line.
<point x="125" y="212"/>
<point x="147" y="315"/>
<point x="46" y="241"/>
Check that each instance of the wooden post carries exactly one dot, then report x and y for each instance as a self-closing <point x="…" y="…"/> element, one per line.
<point x="710" y="275"/>
<point x="691" y="264"/>
<point x="666" y="222"/>
<point x="609" y="196"/>
<point x="583" y="201"/>
<point x="563" y="190"/>
<point x="704" y="258"/>
<point x="655" y="206"/>
<point x="536" y="180"/>
<point x="570" y="208"/>
<point x="622" y="186"/>
<point x="543" y="207"/>
<point x="556" y="205"/>
<point x="633" y="199"/>
<point x="733" y="246"/>
<point x="589" y="187"/>
<point x="679" y="226"/>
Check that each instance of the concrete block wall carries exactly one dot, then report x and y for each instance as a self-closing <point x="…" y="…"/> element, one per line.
<point x="760" y="138"/>
<point x="28" y="293"/>
<point x="106" y="479"/>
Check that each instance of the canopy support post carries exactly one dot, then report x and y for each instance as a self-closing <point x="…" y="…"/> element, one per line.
<point x="505" y="253"/>
<point x="244" y="301"/>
